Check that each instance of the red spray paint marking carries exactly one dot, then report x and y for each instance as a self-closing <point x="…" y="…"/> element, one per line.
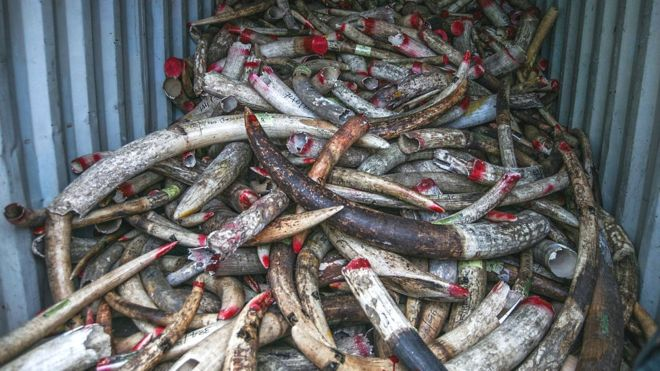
<point x="357" y="263"/>
<point x="82" y="161"/>
<point x="265" y="261"/>
<point x="201" y="239"/>
<point x="154" y="192"/>
<point x="565" y="147"/>
<point x="246" y="36"/>
<point x="478" y="170"/>
<point x="215" y="67"/>
<point x="554" y="84"/>
<point x="296" y="244"/>
<point x="243" y="51"/>
<point x="437" y="208"/>
<point x="316" y="44"/>
<point x="537" y="145"/>
<point x="351" y="85"/>
<point x="264" y="300"/>
<point x="173" y="67"/>
<point x="261" y="171"/>
<point x="425" y="185"/>
<point x="369" y="25"/>
<point x="227" y="313"/>
<point x="144" y="341"/>
<point x="416" y="68"/>
<point x="165" y="249"/>
<point x="549" y="188"/>
<point x="478" y="71"/>
<point x="89" y="317"/>
<point x="247" y="198"/>
<point x="361" y="345"/>
<point x="394" y="360"/>
<point x="251" y="64"/>
<point x="188" y="106"/>
<point x="440" y="32"/>
<point x="342" y="27"/>
<point x="498" y="286"/>
<point x="465" y="103"/>
<point x="208" y="215"/>
<point x="320" y="77"/>
<point x="476" y="59"/>
<point x="252" y="283"/>
<point x="457" y="28"/>
<point x="543" y="64"/>
<point x="39" y="230"/>
<point x="96" y="157"/>
<point x="458" y="291"/>
<point x="538" y="301"/>
<point x="309" y="160"/>
<point x="220" y="8"/>
<point x="198" y="284"/>
<point x="507" y="52"/>
<point x="467" y="56"/>
<point x="510" y="180"/>
<point x="126" y="189"/>
<point x="416" y="20"/>
<point x="337" y="285"/>
<point x="500" y="216"/>
<point x="233" y="28"/>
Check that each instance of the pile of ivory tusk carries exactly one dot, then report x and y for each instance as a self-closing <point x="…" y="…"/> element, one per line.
<point x="352" y="185"/>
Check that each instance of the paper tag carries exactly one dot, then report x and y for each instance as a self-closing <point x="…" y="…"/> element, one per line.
<point x="363" y="50"/>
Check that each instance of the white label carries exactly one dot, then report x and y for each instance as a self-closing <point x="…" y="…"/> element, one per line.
<point x="363" y="50"/>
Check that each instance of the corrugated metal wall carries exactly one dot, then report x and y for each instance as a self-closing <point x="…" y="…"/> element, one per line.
<point x="78" y="76"/>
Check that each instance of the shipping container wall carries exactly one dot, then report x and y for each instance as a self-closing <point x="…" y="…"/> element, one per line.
<point x="79" y="76"/>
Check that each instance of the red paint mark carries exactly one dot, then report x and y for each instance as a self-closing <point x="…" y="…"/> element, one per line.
<point x="361" y="345"/>
<point x="437" y="208"/>
<point x="198" y="284"/>
<point x="208" y="215"/>
<point x="261" y="171"/>
<point x="549" y="188"/>
<point x="297" y="243"/>
<point x="220" y="8"/>
<point x="497" y="287"/>
<point x="543" y="64"/>
<point x="165" y="249"/>
<point x="417" y="68"/>
<point x="465" y="103"/>
<point x="321" y="78"/>
<point x="214" y="263"/>
<point x="554" y="84"/>
<point x="351" y="85"/>
<point x="126" y="189"/>
<point x="251" y="64"/>
<point x="440" y="32"/>
<point x="458" y="291"/>
<point x="89" y="317"/>
<point x="337" y="285"/>
<point x="268" y="70"/>
<point x="565" y="147"/>
<point x="394" y="361"/>
<point x="342" y="27"/>
<point x="476" y="59"/>
<point x="82" y="161"/>
<point x="215" y="67"/>
<point x="507" y="52"/>
<point x="316" y="44"/>
<point x="478" y="171"/>
<point x="201" y="239"/>
<point x="262" y="301"/>
<point x="416" y="20"/>
<point x="247" y="198"/>
<point x="243" y="51"/>
<point x="467" y="56"/>
<point x="537" y="145"/>
<point x="265" y="261"/>
<point x="539" y="302"/>
<point x="159" y="331"/>
<point x="500" y="216"/>
<point x="173" y="67"/>
<point x="188" y="106"/>
<point x="227" y="313"/>
<point x="39" y="230"/>
<point x="357" y="263"/>
<point x="144" y="341"/>
<point x="424" y="185"/>
<point x="478" y="71"/>
<point x="369" y="25"/>
<point x="246" y="36"/>
<point x="510" y="180"/>
<point x="123" y="238"/>
<point x="252" y="283"/>
<point x="153" y="192"/>
<point x="233" y="28"/>
<point x="457" y="28"/>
